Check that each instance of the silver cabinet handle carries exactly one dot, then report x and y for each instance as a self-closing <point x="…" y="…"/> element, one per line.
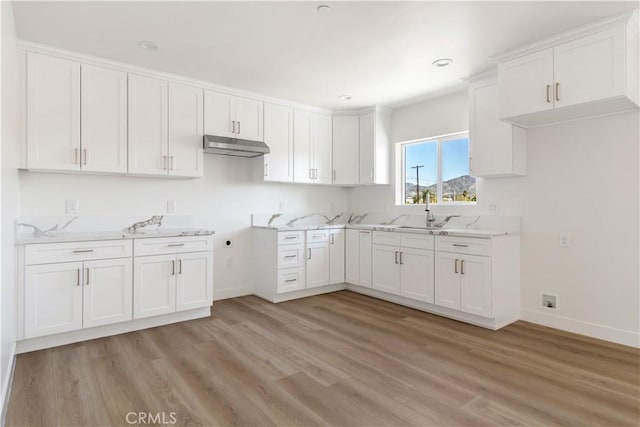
<point x="549" y="93"/>
<point x="84" y="155"/>
<point x="461" y="246"/>
<point x="87" y="281"/>
<point x="266" y="169"/>
<point x="173" y="268"/>
<point x="557" y="91"/>
<point x="75" y="155"/>
<point x="179" y="266"/>
<point x="164" y="162"/>
<point x="233" y="126"/>
<point x="401" y="258"/>
<point x="171" y="163"/>
<point x="461" y="266"/>
<point x="238" y="128"/>
<point x="291" y="280"/>
<point x="175" y="244"/>
<point x="456" y="266"/>
<point x="310" y="173"/>
<point x="290" y="237"/>
<point x="78" y="277"/>
<point x="396" y="256"/>
<point x="333" y="239"/>
<point x="82" y="251"/>
<point x="290" y="256"/>
<point x="364" y="232"/>
<point x="309" y="249"/>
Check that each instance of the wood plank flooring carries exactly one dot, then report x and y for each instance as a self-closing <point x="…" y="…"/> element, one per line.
<point x="339" y="359"/>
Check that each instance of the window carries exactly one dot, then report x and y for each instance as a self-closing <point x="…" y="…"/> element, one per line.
<point x="437" y="168"/>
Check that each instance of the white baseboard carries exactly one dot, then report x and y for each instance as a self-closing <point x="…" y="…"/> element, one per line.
<point x="302" y="293"/>
<point x="6" y="386"/>
<point x="581" y="327"/>
<point x="220" y="294"/>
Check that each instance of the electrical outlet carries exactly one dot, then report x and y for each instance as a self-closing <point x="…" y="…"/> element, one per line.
<point x="549" y="301"/>
<point x="171" y="206"/>
<point x="565" y="241"/>
<point x="71" y="207"/>
<point x="493" y="208"/>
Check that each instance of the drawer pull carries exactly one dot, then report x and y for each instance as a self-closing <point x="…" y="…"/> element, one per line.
<point x="87" y="281"/>
<point x="456" y="266"/>
<point x="291" y="280"/>
<point x="461" y="266"/>
<point x="396" y="257"/>
<point x="364" y="232"/>
<point x="290" y="237"/>
<point x="175" y="244"/>
<point x="82" y="251"/>
<point x="460" y="246"/>
<point x="173" y="268"/>
<point x="179" y="266"/>
<point x="78" y="278"/>
<point x="291" y="256"/>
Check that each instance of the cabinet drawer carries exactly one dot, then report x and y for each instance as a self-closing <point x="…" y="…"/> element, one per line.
<point x="417" y="241"/>
<point x="317" y="236"/>
<point x="464" y="245"/>
<point x="290" y="237"/>
<point x="172" y="245"/>
<point x="386" y="238"/>
<point x="290" y="256"/>
<point x="291" y="279"/>
<point x="46" y="253"/>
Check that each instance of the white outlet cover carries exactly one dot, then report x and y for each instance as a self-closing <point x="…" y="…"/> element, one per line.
<point x="171" y="206"/>
<point x="564" y="241"/>
<point x="71" y="207"/>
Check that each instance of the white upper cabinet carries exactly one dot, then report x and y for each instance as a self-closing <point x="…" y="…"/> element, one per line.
<point x="497" y="147"/>
<point x="148" y="127"/>
<point x="185" y="131"/>
<point x="278" y="135"/>
<point x="233" y="116"/>
<point x="346" y="131"/>
<point x="104" y="120"/>
<point x="53" y="113"/>
<point x="374" y="132"/>
<point x="312" y="147"/>
<point x="572" y="76"/>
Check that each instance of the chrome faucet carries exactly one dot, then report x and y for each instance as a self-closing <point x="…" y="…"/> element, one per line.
<point x="430" y="218"/>
<point x="445" y="221"/>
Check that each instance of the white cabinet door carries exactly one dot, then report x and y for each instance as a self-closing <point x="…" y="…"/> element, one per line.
<point x="185" y="131"/>
<point x="496" y="147"/>
<point x="249" y="118"/>
<point x="352" y="257"/>
<point x="386" y="268"/>
<point x="417" y="273"/>
<point x="148" y="128"/>
<point x="108" y="292"/>
<point x="154" y="285"/>
<point x="345" y="150"/>
<point x="364" y="254"/>
<point x="104" y="120"/>
<point x="53" y="299"/>
<point x="194" y="286"/>
<point x="278" y="135"/>
<point x="475" y="285"/>
<point x="317" y="264"/>
<point x="302" y="154"/>
<point x="53" y="113"/>
<point x="219" y="114"/>
<point x="447" y="285"/>
<point x="321" y="143"/>
<point x="590" y="68"/>
<point x="526" y="84"/>
<point x="336" y="256"/>
<point x="367" y="148"/>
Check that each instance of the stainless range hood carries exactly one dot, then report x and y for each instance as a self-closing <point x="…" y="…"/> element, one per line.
<point x="234" y="147"/>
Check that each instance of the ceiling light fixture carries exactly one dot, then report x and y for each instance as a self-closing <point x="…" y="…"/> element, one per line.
<point x="344" y="97"/>
<point x="442" y="62"/>
<point x="147" y="45"/>
<point x="324" y="9"/>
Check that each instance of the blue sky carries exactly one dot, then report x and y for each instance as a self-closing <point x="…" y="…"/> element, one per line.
<point x="455" y="161"/>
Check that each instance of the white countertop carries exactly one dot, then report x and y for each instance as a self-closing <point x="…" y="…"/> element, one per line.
<point x="111" y="235"/>
<point x="382" y="227"/>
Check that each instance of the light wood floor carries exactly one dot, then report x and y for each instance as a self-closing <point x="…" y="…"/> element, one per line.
<point x="340" y="359"/>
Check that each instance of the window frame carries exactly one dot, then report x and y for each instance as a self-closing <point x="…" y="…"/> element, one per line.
<point x="401" y="168"/>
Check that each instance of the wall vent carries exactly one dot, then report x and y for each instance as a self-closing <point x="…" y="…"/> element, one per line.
<point x="549" y="301"/>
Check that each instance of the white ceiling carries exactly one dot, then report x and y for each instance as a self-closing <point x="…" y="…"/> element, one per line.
<point x="377" y="52"/>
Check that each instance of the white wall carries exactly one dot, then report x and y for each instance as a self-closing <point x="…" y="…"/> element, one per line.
<point x="9" y="184"/>
<point x="582" y="180"/>
<point x="223" y="199"/>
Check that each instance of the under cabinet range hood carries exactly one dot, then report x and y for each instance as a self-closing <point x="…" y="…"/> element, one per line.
<point x="234" y="147"/>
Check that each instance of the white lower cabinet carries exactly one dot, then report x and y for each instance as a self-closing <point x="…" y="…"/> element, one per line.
<point x="155" y="291"/>
<point x="336" y="256"/>
<point x="386" y="268"/>
<point x="193" y="280"/>
<point x="463" y="281"/>
<point x="364" y="258"/>
<point x="53" y="299"/>
<point x="417" y="274"/>
<point x="358" y="257"/>
<point x="317" y="264"/>
<point x="108" y="291"/>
